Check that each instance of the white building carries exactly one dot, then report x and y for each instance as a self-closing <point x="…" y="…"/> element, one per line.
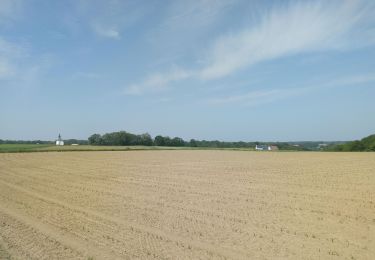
<point x="266" y="147"/>
<point x="261" y="147"/>
<point x="59" y="141"/>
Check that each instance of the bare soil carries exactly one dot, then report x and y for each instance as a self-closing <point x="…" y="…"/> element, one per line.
<point x="187" y="205"/>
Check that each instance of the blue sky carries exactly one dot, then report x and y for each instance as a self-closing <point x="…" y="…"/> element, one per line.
<point x="205" y="69"/>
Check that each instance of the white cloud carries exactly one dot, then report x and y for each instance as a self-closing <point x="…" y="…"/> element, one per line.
<point x="301" y="27"/>
<point x="257" y="97"/>
<point x="353" y="80"/>
<point x="157" y="82"/>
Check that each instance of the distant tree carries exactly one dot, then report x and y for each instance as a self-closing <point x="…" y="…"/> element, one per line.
<point x="365" y="144"/>
<point x="95" y="139"/>
<point x="167" y="141"/>
<point x="159" y="141"/>
<point x="193" y="143"/>
<point x="177" y="141"/>
<point x="146" y="139"/>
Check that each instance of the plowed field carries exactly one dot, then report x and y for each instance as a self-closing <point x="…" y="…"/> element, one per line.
<point x="187" y="205"/>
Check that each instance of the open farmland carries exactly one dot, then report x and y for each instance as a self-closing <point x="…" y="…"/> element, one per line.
<point x="187" y="204"/>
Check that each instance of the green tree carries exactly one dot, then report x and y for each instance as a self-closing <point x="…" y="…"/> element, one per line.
<point x="146" y="139"/>
<point x="193" y="143"/>
<point x="95" y="139"/>
<point x="159" y="140"/>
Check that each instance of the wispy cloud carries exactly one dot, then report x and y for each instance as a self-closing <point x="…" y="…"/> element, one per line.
<point x="284" y="30"/>
<point x="157" y="82"/>
<point x="258" y="97"/>
<point x="352" y="80"/>
<point x="298" y="28"/>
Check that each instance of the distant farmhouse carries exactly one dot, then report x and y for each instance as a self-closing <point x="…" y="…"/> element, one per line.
<point x="59" y="141"/>
<point x="322" y="146"/>
<point x="266" y="147"/>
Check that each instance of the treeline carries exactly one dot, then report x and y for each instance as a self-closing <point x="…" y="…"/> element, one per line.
<point x="166" y="141"/>
<point x="121" y="138"/>
<point x="241" y="144"/>
<point x="126" y="138"/>
<point x="365" y="144"/>
<point x="66" y="142"/>
<point x="25" y="142"/>
<point x="75" y="141"/>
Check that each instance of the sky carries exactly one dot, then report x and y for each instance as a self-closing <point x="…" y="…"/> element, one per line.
<point x="205" y="69"/>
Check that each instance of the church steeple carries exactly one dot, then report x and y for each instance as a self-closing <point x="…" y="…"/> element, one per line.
<point x="59" y="141"/>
